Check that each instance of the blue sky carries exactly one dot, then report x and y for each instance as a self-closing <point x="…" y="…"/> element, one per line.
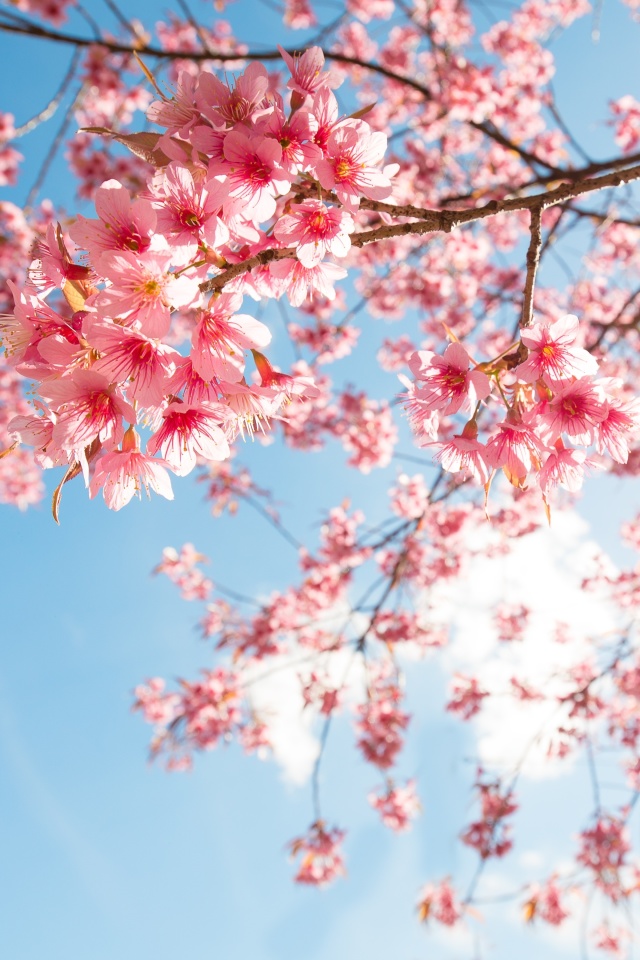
<point x="105" y="856"/>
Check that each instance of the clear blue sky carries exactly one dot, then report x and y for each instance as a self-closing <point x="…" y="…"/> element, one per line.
<point x="105" y="857"/>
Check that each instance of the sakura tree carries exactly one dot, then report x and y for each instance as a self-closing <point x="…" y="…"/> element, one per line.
<point x="249" y="216"/>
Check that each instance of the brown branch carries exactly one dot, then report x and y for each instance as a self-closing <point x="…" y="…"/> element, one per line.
<point x="434" y="221"/>
<point x="26" y="28"/>
<point x="45" y="33"/>
<point x="616" y="323"/>
<point x="533" y="260"/>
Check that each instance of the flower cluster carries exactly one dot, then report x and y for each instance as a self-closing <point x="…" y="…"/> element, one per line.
<point x="554" y="409"/>
<point x="321" y="857"/>
<point x="101" y="339"/>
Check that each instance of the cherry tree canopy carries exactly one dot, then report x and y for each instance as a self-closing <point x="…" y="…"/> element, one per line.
<point x="250" y="218"/>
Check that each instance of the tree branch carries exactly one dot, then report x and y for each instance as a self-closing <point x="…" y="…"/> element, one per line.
<point x="533" y="259"/>
<point x="434" y="221"/>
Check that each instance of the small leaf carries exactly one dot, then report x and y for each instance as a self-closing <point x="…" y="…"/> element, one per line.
<point x="363" y="111"/>
<point x="5" y="453"/>
<point x="72" y="472"/>
<point x="74" y="295"/>
<point x="150" y="77"/>
<point x="142" y="145"/>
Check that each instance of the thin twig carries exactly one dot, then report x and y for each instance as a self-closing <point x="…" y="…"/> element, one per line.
<point x="196" y="26"/>
<point x="47" y="112"/>
<point x="533" y="260"/>
<point x="55" y="146"/>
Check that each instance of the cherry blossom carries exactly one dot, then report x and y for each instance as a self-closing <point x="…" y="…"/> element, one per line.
<point x="423" y="197"/>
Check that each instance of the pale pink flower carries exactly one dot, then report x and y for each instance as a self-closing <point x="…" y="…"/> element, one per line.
<point x="315" y="230"/>
<point x="299" y="15"/>
<point x="126" y="472"/>
<point x="181" y="113"/>
<point x="252" y="407"/>
<point x="196" y="390"/>
<point x="123" y="225"/>
<point x="397" y="806"/>
<point x="613" y="432"/>
<point x="87" y="408"/>
<point x="327" y="114"/>
<point x="365" y="10"/>
<point x="490" y="835"/>
<point x="295" y="135"/>
<point x="546" y="903"/>
<point x="466" y="696"/>
<point x="563" y="467"/>
<point x="576" y="410"/>
<point x="183" y="570"/>
<point x="188" y="215"/>
<point x="307" y="72"/>
<point x="143" y="291"/>
<point x="221" y="336"/>
<point x="37" y="431"/>
<point x="440" y="902"/>
<point x="302" y="282"/>
<point x="350" y="166"/>
<point x="254" y="173"/>
<point x="551" y="356"/>
<point x="511" y="621"/>
<point x="464" y="454"/>
<point x="189" y="432"/>
<point x="32" y="320"/>
<point x="54" y="268"/>
<point x="449" y="386"/>
<point x="157" y="707"/>
<point x="603" y="849"/>
<point x="626" y="111"/>
<point x="422" y="417"/>
<point x="225" y="104"/>
<point x="381" y="721"/>
<point x="516" y="449"/>
<point x="610" y="939"/>
<point x="127" y="357"/>
<point x="210" y="708"/>
<point x="322" y="860"/>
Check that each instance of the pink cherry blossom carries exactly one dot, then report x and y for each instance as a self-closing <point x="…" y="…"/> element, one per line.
<point x="448" y="384"/>
<point x="322" y="861"/>
<point x="126" y="472"/>
<point x="226" y="104"/>
<point x="221" y="336"/>
<point x="189" y="431"/>
<point x="464" y="454"/>
<point x="307" y="71"/>
<point x="123" y="225"/>
<point x="87" y="408"/>
<point x="396" y="805"/>
<point x="142" y="291"/>
<point x="551" y="354"/>
<point x="254" y="173"/>
<point x="128" y="357"/>
<point x="440" y="902"/>
<point x="315" y="230"/>
<point x="350" y="167"/>
<point x="302" y="282"/>
<point x="189" y="216"/>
